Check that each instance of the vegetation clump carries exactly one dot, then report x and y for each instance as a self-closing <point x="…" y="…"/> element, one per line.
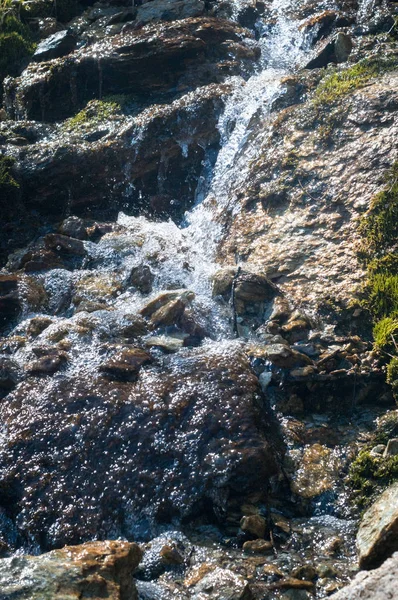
<point x="379" y="229"/>
<point x="16" y="42"/>
<point x="341" y="83"/>
<point x="96" y="111"/>
<point x="8" y="184"/>
<point x="371" y="472"/>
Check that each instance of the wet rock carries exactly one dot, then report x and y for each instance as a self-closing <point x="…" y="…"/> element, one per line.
<point x="58" y="44"/>
<point x="10" y="374"/>
<point x="165" y="298"/>
<point x="126" y="364"/>
<point x="306" y="571"/>
<point x="317" y="472"/>
<point x="48" y="364"/>
<point x="37" y="325"/>
<point x="96" y="287"/>
<point x="222" y="282"/>
<point x="258" y="546"/>
<point x="169" y="432"/>
<point x="165" y="342"/>
<point x="169" y="314"/>
<point x="271" y="570"/>
<point x="392" y="448"/>
<point x="19" y="292"/>
<point x="171" y="556"/>
<point x="254" y="525"/>
<point x="132" y="62"/>
<point x="377" y="537"/>
<point x="64" y="244"/>
<point x="292" y="583"/>
<point x="133" y="328"/>
<point x="166" y="11"/>
<point x="96" y="569"/>
<point x="127" y="174"/>
<point x="74" y="227"/>
<point x="378" y="584"/>
<point x="335" y="51"/>
<point x="142" y="278"/>
<point x="165" y="553"/>
<point x="9" y="299"/>
<point x="222" y="584"/>
<point x="252" y="288"/>
<point x="283" y="356"/>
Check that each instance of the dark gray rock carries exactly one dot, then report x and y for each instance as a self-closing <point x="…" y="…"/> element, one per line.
<point x="57" y="45"/>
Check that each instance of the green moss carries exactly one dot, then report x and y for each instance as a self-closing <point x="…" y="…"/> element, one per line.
<point x="370" y="474"/>
<point x="341" y="83"/>
<point x="384" y="331"/>
<point x="16" y="44"/>
<point x="382" y="295"/>
<point x="96" y="111"/>
<point x="392" y="376"/>
<point x="9" y="187"/>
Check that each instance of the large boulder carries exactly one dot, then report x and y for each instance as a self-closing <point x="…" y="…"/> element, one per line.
<point x="380" y="584"/>
<point x="93" y="570"/>
<point x="192" y="436"/>
<point x="377" y="537"/>
<point x="157" y="59"/>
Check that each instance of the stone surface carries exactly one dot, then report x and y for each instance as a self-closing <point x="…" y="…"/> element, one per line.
<point x="190" y="437"/>
<point x="379" y="584"/>
<point x="164" y="58"/>
<point x="222" y="584"/>
<point x="92" y="570"/>
<point x="58" y="44"/>
<point x="128" y="162"/>
<point x="307" y="240"/>
<point x="377" y="537"/>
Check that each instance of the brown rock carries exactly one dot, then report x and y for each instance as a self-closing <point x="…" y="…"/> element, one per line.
<point x="171" y="556"/>
<point x="254" y="525"/>
<point x="258" y="546"/>
<point x="142" y="278"/>
<point x="64" y="244"/>
<point x="93" y="570"/>
<point x="126" y="364"/>
<point x="292" y="583"/>
<point x="170" y="314"/>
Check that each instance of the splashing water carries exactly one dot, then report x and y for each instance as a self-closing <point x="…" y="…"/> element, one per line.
<point x="364" y="10"/>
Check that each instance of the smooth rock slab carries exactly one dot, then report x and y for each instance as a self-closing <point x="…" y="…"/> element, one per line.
<point x="94" y="570"/>
<point x="377" y="537"/>
<point x="379" y="584"/>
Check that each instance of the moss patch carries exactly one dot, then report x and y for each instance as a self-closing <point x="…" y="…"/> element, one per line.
<point x="370" y="474"/>
<point x="8" y="185"/>
<point x="16" y="44"/>
<point x="337" y="84"/>
<point x="96" y="111"/>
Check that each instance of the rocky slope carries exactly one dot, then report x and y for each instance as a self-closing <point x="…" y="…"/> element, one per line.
<point x="187" y="357"/>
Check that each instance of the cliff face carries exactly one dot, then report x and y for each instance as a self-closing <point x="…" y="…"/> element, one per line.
<point x="193" y="197"/>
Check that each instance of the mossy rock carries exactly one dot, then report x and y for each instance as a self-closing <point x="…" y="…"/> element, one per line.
<point x="9" y="187"/>
<point x="370" y="473"/>
<point x="337" y="84"/>
<point x="96" y="112"/>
